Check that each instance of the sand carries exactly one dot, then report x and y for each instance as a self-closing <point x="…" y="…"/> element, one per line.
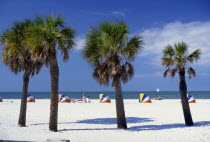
<point x="160" y="121"/>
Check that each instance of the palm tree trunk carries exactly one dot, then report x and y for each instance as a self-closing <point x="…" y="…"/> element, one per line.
<point x="121" y="120"/>
<point x="54" y="74"/>
<point x="23" y="106"/>
<point x="183" y="93"/>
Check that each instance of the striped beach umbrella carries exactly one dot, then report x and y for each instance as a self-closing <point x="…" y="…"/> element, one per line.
<point x="64" y="99"/>
<point x="190" y="99"/>
<point x="143" y="98"/>
<point x="104" y="98"/>
<point x="30" y="98"/>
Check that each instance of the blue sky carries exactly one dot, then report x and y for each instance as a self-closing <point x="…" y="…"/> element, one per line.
<point x="160" y="22"/>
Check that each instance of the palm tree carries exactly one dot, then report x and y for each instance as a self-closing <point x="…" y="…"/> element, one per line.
<point x="109" y="51"/>
<point x="176" y="59"/>
<point x="17" y="55"/>
<point x="47" y="37"/>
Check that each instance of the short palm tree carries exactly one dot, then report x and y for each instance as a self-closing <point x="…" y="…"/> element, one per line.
<point x="176" y="59"/>
<point x="17" y="55"/>
<point x="109" y="51"/>
<point x="47" y="36"/>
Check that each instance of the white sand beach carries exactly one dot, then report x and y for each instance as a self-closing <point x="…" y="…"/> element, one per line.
<point x="160" y="121"/>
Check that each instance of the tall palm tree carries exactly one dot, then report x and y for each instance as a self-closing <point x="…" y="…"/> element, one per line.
<point x="17" y="55"/>
<point x="47" y="36"/>
<point x="110" y="52"/>
<point x="176" y="59"/>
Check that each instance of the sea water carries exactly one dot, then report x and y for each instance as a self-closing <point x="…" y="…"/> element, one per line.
<point x="95" y="95"/>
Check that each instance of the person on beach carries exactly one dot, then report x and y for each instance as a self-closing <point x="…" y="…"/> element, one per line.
<point x="158" y="98"/>
<point x="83" y="100"/>
<point x="87" y="99"/>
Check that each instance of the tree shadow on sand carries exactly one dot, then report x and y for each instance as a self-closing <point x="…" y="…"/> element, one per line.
<point x="40" y="124"/>
<point x="105" y="121"/>
<point x="48" y="123"/>
<point x="130" y="120"/>
<point x="88" y="129"/>
<point x="145" y="127"/>
<point x="167" y="126"/>
<point x="110" y="121"/>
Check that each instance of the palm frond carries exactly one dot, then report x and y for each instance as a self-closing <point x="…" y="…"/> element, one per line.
<point x="96" y="72"/>
<point x="194" y="56"/>
<point x="168" y="51"/>
<point x="177" y="57"/>
<point x="166" y="73"/>
<point x="172" y="72"/>
<point x="133" y="47"/>
<point x="124" y="76"/>
<point x="65" y="54"/>
<point x="92" y="52"/>
<point x="46" y="34"/>
<point x="39" y="21"/>
<point x="58" y="21"/>
<point x="16" y="53"/>
<point x="101" y="74"/>
<point x="65" y="42"/>
<point x="167" y="62"/>
<point x="191" y="72"/>
<point x="130" y="70"/>
<point x="115" y="80"/>
<point x="108" y="51"/>
<point x="181" y="49"/>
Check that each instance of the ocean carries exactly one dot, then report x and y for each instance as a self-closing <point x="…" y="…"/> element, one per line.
<point x="95" y="95"/>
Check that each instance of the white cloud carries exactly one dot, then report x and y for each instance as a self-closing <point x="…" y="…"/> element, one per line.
<point x="118" y="13"/>
<point x="195" y="34"/>
<point x="80" y="44"/>
<point x="107" y="13"/>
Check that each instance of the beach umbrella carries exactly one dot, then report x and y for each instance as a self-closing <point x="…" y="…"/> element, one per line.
<point x="143" y="98"/>
<point x="30" y="98"/>
<point x="104" y="99"/>
<point x="100" y="96"/>
<point x="190" y="99"/>
<point x="64" y="99"/>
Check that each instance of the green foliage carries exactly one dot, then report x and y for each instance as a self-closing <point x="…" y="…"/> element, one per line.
<point x="16" y="53"/>
<point x="109" y="51"/>
<point x="177" y="58"/>
<point x="49" y="34"/>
